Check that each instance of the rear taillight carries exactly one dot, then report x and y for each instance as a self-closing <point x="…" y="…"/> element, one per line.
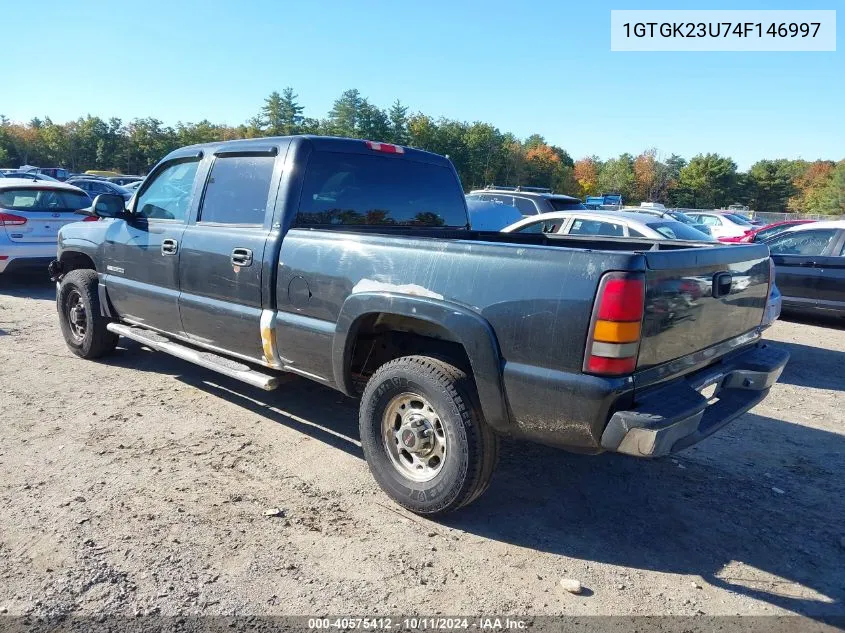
<point x="90" y="218"/>
<point x="387" y="148"/>
<point x="615" y="329"/>
<point x="7" y="219"/>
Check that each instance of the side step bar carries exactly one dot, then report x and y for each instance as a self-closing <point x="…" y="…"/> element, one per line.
<point x="220" y="364"/>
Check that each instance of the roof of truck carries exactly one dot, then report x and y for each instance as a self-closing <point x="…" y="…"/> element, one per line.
<point x="320" y="143"/>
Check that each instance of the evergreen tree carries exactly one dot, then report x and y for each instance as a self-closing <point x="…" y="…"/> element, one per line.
<point x="344" y="117"/>
<point x="398" y="115"/>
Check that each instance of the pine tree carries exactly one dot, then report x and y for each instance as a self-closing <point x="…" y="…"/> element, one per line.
<point x="344" y="117"/>
<point x="270" y="120"/>
<point x="291" y="112"/>
<point x="398" y="116"/>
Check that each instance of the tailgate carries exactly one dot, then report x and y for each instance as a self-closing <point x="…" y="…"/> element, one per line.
<point x="696" y="298"/>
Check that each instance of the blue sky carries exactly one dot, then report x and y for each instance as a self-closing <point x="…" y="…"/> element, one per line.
<point x="540" y="66"/>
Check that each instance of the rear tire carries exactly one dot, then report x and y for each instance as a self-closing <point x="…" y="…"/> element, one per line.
<point x="424" y="436"/>
<point x="83" y="327"/>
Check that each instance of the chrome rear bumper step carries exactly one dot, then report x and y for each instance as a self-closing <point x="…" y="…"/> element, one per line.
<point x="220" y="364"/>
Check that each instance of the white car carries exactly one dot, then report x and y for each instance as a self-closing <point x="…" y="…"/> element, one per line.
<point x="608" y="224"/>
<point x="722" y="225"/>
<point x="31" y="214"/>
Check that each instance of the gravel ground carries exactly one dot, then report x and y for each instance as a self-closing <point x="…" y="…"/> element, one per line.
<point x="140" y="484"/>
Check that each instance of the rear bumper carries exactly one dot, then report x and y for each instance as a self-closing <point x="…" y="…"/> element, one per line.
<point x="672" y="417"/>
<point x="24" y="255"/>
<point x="773" y="307"/>
<point x="25" y="264"/>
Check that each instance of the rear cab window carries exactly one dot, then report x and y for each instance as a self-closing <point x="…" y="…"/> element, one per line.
<point x="45" y="200"/>
<point x="361" y="190"/>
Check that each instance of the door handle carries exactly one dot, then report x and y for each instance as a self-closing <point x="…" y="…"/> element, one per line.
<point x="241" y="257"/>
<point x="169" y="247"/>
<point x="808" y="264"/>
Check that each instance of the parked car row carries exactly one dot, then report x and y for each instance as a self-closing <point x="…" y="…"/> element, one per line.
<point x="94" y="187"/>
<point x="63" y="175"/>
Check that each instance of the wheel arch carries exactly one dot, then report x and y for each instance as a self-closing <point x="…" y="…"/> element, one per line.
<point x="78" y="254"/>
<point x="75" y="259"/>
<point x="438" y="320"/>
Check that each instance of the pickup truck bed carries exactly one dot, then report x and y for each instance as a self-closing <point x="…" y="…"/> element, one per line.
<point x="359" y="272"/>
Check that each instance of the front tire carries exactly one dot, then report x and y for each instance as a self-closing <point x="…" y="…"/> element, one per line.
<point x="83" y="327"/>
<point x="424" y="436"/>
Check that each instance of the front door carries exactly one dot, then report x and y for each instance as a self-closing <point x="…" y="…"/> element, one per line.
<point x="222" y="265"/>
<point x="142" y="252"/>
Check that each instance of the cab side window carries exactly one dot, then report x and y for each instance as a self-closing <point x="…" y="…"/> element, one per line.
<point x="237" y="190"/>
<point x="168" y="195"/>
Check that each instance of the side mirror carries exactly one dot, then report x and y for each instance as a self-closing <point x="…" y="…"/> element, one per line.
<point x="106" y="205"/>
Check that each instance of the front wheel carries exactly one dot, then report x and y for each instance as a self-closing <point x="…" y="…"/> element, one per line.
<point x="83" y="327"/>
<point x="424" y="437"/>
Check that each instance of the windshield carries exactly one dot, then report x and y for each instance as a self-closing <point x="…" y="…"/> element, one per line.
<point x="43" y="200"/>
<point x="679" y="231"/>
<point x="738" y="219"/>
<point x="565" y="204"/>
<point x="683" y="218"/>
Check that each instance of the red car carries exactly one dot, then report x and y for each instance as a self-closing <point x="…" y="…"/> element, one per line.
<point x="764" y="233"/>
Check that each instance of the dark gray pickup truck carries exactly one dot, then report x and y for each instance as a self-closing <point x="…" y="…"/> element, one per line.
<point x="351" y="263"/>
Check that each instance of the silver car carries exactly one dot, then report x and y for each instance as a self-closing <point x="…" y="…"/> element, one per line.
<point x="31" y="214"/>
<point x="608" y="224"/>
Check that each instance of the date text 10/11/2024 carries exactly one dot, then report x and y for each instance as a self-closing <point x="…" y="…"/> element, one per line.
<point x="419" y="623"/>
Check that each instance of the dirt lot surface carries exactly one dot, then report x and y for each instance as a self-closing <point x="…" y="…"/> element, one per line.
<point x="140" y="484"/>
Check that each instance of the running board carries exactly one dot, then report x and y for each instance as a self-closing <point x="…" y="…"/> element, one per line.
<point x="220" y="364"/>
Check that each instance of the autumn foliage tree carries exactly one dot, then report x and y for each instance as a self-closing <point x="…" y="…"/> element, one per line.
<point x="586" y="172"/>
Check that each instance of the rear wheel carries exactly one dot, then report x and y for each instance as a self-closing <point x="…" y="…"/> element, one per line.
<point x="424" y="437"/>
<point x="83" y="327"/>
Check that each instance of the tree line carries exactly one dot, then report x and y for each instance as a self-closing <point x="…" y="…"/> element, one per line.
<point x="481" y="152"/>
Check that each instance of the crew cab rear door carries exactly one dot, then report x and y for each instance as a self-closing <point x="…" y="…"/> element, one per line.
<point x="223" y="268"/>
